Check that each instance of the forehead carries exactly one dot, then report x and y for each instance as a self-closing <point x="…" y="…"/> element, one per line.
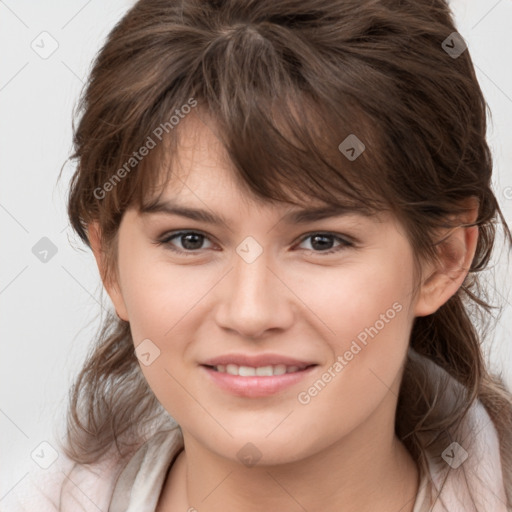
<point x="194" y="170"/>
<point x="192" y="160"/>
<point x="207" y="189"/>
<point x="210" y="194"/>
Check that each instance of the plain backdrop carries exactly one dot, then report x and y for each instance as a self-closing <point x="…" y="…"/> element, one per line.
<point x="50" y="310"/>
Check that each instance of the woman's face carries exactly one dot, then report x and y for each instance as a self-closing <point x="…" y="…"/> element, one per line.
<point x="262" y="285"/>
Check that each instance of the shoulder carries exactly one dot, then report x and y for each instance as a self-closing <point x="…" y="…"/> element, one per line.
<point x="465" y="467"/>
<point x="64" y="486"/>
<point x="140" y="483"/>
<point x="108" y="484"/>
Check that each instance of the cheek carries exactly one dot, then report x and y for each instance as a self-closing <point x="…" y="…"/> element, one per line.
<point x="348" y="300"/>
<point x="158" y="294"/>
<point x="365" y="310"/>
<point x="163" y="302"/>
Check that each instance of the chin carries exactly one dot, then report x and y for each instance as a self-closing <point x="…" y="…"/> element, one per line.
<point x="257" y="449"/>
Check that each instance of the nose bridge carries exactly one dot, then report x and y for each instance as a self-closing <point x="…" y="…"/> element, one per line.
<point x="252" y="299"/>
<point x="250" y="279"/>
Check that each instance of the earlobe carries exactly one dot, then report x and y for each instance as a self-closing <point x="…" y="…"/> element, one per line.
<point x="109" y="282"/>
<point x="456" y="254"/>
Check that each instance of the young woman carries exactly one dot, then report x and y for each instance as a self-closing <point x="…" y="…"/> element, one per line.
<point x="289" y="204"/>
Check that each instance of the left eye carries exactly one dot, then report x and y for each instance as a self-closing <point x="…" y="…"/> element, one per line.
<point x="192" y="241"/>
<point x="324" y="241"/>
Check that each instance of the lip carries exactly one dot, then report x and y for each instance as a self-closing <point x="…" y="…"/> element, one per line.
<point x="257" y="360"/>
<point x="257" y="386"/>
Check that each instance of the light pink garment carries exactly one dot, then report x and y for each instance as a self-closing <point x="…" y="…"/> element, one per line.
<point x="137" y="486"/>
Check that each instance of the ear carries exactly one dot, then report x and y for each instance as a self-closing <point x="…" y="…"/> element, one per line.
<point x="456" y="250"/>
<point x="109" y="282"/>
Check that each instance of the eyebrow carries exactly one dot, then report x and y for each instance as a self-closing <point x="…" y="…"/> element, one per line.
<point x="302" y="216"/>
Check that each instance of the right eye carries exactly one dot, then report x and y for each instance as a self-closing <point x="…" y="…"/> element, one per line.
<point x="191" y="241"/>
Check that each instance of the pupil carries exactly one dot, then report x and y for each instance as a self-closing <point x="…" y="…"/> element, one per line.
<point x="323" y="244"/>
<point x="195" y="244"/>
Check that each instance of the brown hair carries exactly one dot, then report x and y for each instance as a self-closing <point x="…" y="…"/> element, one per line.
<point x="284" y="83"/>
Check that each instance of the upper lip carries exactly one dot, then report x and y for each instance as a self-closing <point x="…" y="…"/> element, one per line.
<point x="256" y="361"/>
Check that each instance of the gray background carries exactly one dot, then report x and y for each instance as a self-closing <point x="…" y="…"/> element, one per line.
<point x="50" y="310"/>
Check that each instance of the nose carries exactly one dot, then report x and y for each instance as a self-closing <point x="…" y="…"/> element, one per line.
<point x="254" y="300"/>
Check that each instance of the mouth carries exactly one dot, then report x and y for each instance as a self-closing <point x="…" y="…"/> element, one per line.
<point x="256" y="381"/>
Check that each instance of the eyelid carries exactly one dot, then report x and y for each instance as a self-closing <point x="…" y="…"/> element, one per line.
<point x="342" y="237"/>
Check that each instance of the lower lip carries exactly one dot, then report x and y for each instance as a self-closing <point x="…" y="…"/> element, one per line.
<point x="254" y="387"/>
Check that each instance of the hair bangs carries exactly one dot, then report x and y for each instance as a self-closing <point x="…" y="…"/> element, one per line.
<point x="289" y="151"/>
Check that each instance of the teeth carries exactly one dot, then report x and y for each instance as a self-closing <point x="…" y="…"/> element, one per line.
<point x="246" y="371"/>
<point x="261" y="371"/>
<point x="232" y="369"/>
<point x="264" y="371"/>
<point x="279" y="369"/>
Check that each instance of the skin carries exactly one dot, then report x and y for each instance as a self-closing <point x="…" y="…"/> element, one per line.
<point x="337" y="452"/>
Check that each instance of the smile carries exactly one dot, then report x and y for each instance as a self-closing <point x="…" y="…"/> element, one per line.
<point x="260" y="371"/>
<point x="254" y="382"/>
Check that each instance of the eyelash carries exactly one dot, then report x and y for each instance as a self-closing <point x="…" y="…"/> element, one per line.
<point x="167" y="239"/>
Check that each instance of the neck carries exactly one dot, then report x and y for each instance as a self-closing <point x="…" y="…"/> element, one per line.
<point x="367" y="470"/>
